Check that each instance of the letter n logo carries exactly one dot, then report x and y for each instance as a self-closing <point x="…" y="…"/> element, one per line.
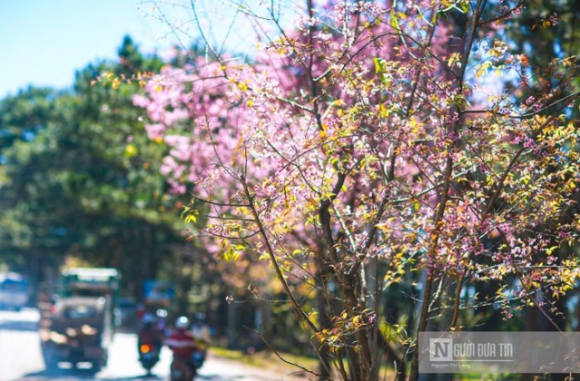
<point x="440" y="349"/>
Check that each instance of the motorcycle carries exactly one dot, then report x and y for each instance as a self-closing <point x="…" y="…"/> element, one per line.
<point x="197" y="358"/>
<point x="182" y="371"/>
<point x="148" y="356"/>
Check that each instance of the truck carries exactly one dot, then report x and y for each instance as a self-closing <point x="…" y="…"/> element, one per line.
<point x="158" y="292"/>
<point x="76" y="324"/>
<point x="14" y="291"/>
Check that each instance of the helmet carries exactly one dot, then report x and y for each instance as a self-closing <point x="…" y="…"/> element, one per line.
<point x="147" y="319"/>
<point x="182" y="322"/>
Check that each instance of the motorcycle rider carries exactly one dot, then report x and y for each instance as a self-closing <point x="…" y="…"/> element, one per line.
<point x="149" y="334"/>
<point x="161" y="324"/>
<point x="200" y="329"/>
<point x="182" y="342"/>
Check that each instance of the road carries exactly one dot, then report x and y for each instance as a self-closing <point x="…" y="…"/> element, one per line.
<point x="21" y="359"/>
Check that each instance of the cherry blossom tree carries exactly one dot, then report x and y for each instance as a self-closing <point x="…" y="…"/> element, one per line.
<point x="370" y="144"/>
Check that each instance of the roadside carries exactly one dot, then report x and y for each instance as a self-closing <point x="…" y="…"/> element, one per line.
<point x="266" y="364"/>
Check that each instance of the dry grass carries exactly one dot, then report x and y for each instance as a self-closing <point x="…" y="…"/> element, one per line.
<point x="269" y="361"/>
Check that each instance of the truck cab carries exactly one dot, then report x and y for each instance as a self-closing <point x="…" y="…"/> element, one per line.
<point x="80" y="332"/>
<point x="14" y="291"/>
<point x="76" y="326"/>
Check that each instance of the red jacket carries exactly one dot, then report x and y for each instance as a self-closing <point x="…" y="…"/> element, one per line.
<point x="182" y="343"/>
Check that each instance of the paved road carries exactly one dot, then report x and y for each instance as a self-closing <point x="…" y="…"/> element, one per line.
<point x="21" y="359"/>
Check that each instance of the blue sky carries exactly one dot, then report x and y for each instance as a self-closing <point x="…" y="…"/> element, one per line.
<point x="44" y="41"/>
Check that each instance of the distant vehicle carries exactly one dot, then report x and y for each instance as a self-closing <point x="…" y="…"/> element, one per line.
<point x="126" y="313"/>
<point x="158" y="293"/>
<point x="181" y="371"/>
<point x="80" y="332"/>
<point x="95" y="282"/>
<point x="76" y="324"/>
<point x="14" y="291"/>
<point x="148" y="356"/>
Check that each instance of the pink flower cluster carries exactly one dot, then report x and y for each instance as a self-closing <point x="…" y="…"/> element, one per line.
<point x="358" y="109"/>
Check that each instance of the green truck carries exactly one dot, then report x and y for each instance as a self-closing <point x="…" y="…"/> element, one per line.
<point x="76" y="325"/>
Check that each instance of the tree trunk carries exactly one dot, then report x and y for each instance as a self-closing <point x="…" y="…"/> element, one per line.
<point x="324" y="313"/>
